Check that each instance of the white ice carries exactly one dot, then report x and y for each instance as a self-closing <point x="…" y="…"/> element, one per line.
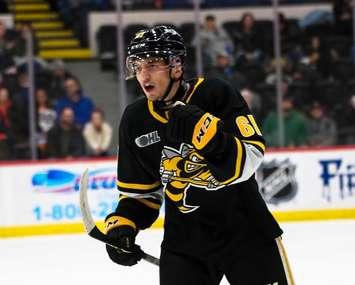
<point x="320" y="253"/>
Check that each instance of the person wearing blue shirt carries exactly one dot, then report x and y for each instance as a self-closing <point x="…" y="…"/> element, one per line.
<point x="75" y="99"/>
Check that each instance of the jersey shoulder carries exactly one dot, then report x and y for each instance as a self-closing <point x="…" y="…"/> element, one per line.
<point x="136" y="109"/>
<point x="214" y="93"/>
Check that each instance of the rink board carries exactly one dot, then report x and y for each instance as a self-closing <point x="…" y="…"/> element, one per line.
<point x="42" y="197"/>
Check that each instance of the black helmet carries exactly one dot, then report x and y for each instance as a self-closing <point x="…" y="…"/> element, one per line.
<point x="157" y="42"/>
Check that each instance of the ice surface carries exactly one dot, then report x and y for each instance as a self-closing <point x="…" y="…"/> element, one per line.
<point x="320" y="253"/>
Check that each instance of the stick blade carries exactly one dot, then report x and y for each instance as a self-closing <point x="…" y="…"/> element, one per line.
<point x="88" y="221"/>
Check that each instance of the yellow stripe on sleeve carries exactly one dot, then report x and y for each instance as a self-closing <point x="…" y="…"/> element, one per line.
<point x="256" y="143"/>
<point x="238" y="164"/>
<point x="138" y="186"/>
<point x="150" y="204"/>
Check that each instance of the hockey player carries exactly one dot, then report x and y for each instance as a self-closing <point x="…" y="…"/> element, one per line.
<point x="195" y="145"/>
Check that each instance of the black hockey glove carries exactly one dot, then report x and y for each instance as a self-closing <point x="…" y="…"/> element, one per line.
<point x="189" y="124"/>
<point x="128" y="253"/>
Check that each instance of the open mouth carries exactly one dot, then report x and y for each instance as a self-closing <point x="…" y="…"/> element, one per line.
<point x="148" y="87"/>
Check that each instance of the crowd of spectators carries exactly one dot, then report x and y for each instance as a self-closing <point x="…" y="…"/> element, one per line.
<point x="104" y="5"/>
<point x="318" y="85"/>
<point x="318" y="76"/>
<point x="68" y="124"/>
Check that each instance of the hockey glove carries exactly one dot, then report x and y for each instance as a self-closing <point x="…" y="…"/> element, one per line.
<point x="189" y="124"/>
<point x="128" y="253"/>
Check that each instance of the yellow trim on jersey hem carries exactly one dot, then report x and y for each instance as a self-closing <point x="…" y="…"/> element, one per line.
<point x="199" y="81"/>
<point x="138" y="186"/>
<point x="74" y="228"/>
<point x="155" y="114"/>
<point x="257" y="143"/>
<point x="237" y="164"/>
<point x="285" y="262"/>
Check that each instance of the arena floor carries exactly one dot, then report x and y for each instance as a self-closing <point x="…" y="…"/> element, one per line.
<point x="321" y="253"/>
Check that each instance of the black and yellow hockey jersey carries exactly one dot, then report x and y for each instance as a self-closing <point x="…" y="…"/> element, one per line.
<point x="209" y="203"/>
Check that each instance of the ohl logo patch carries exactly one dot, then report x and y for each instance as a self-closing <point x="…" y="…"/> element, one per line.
<point x="180" y="169"/>
<point x="147" y="139"/>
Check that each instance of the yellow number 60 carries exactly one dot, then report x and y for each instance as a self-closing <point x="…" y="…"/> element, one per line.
<point x="247" y="126"/>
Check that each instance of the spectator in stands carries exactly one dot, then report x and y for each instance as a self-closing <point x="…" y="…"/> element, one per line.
<point x="247" y="40"/>
<point x="46" y="118"/>
<point x="316" y="56"/>
<point x="20" y="116"/>
<point x="213" y="40"/>
<point x="343" y="13"/>
<point x="345" y="121"/>
<point x="97" y="134"/>
<point x="57" y="82"/>
<point x="270" y="70"/>
<point x="158" y="4"/>
<point x="20" y="49"/>
<point x="295" y="126"/>
<point x="253" y="101"/>
<point x="321" y="128"/>
<point x="7" y="40"/>
<point x="5" y="125"/>
<point x="223" y="69"/>
<point x="65" y="139"/>
<point x="283" y="28"/>
<point x="74" y="98"/>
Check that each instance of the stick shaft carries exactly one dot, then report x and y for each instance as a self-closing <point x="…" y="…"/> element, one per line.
<point x="89" y="223"/>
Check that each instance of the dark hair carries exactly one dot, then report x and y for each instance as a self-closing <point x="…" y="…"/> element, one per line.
<point x="100" y="111"/>
<point x="210" y="17"/>
<point x="245" y="15"/>
<point x="76" y="79"/>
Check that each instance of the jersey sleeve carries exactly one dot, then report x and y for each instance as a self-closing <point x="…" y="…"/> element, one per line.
<point x="140" y="194"/>
<point x="240" y="145"/>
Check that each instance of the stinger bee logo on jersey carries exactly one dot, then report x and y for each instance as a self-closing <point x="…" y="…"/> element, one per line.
<point x="147" y="139"/>
<point x="277" y="181"/>
<point x="179" y="169"/>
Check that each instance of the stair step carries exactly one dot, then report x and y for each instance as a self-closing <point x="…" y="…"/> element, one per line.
<point x="53" y="25"/>
<point x="59" y="43"/>
<point x="82" y="53"/>
<point x="54" y="34"/>
<point x="29" y="7"/>
<point x="35" y="16"/>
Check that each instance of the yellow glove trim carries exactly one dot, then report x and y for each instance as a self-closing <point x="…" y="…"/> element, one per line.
<point x="204" y="131"/>
<point x="117" y="221"/>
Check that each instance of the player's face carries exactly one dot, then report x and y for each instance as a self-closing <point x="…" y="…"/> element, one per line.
<point x="153" y="77"/>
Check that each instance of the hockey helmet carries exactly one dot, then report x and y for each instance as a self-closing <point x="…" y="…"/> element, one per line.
<point x="156" y="43"/>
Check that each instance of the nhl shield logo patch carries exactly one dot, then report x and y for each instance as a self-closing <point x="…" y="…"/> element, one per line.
<point x="277" y="182"/>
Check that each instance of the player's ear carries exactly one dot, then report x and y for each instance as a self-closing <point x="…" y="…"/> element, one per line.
<point x="177" y="71"/>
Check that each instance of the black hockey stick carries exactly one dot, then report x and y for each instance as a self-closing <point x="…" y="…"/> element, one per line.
<point x="89" y="223"/>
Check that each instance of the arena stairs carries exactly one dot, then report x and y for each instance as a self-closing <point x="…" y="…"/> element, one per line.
<point x="54" y="39"/>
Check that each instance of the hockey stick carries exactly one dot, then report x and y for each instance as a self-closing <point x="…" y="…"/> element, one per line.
<point x="89" y="223"/>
